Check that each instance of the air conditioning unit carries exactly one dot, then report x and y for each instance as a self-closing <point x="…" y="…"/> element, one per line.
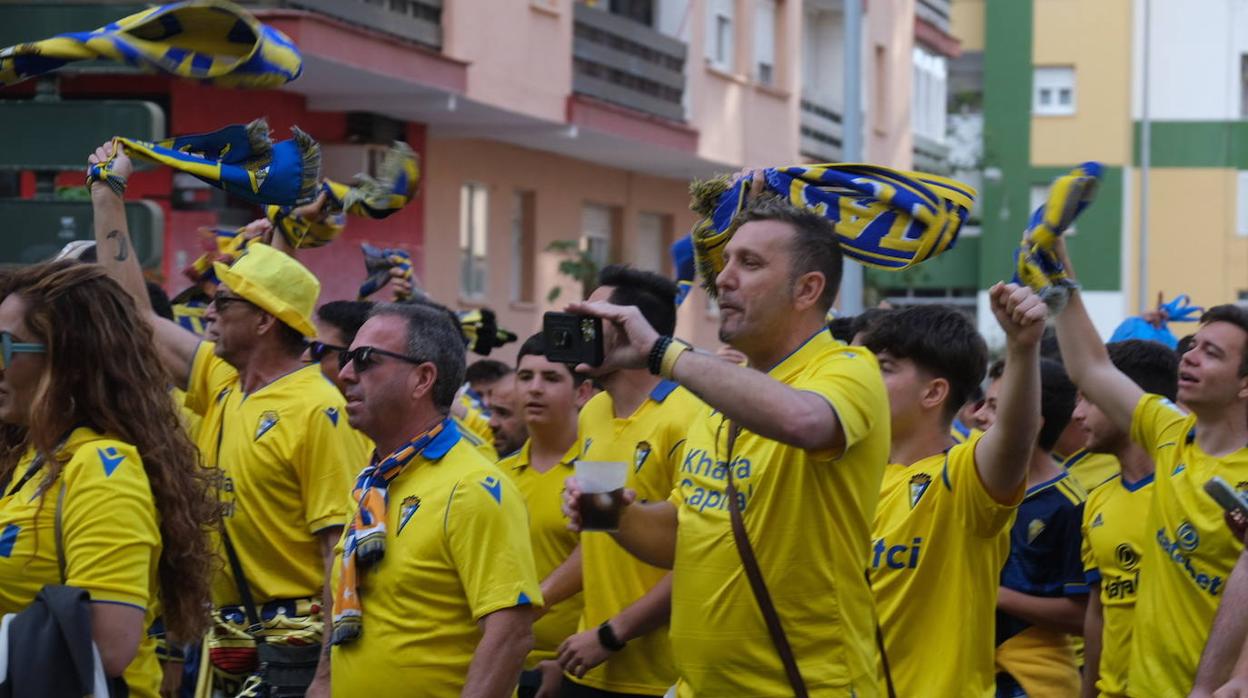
<point x="343" y="161"/>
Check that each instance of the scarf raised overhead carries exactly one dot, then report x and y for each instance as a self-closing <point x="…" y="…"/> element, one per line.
<point x="365" y="542"/>
<point x="240" y="159"/>
<point x="884" y="218"/>
<point x="1036" y="263"/>
<point x="209" y="40"/>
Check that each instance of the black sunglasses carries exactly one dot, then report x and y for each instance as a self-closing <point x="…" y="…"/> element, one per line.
<point x="365" y="357"/>
<point x="318" y="350"/>
<point x="221" y="300"/>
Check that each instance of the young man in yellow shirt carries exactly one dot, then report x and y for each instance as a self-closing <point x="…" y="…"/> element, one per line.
<point x="435" y="585"/>
<point x="1114" y="535"/>
<point x="945" y="510"/>
<point x="272" y="428"/>
<point x="622" y="648"/>
<point x="806" y="464"/>
<point x="1190" y="551"/>
<point x="550" y="396"/>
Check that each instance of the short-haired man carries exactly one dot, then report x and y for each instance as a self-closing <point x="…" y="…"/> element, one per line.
<point x="1190" y="551"/>
<point x="482" y="375"/>
<point x="506" y="418"/>
<point x="434" y="588"/>
<point x="271" y="427"/>
<point x="622" y="648"/>
<point x="337" y="323"/>
<point x="1043" y="594"/>
<point x="1114" y="536"/>
<point x="550" y="396"/>
<point x="803" y="432"/>
<point x="945" y="510"/>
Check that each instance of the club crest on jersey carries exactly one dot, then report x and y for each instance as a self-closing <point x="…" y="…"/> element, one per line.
<point x="267" y="421"/>
<point x="640" y="455"/>
<point x="918" y="485"/>
<point x="1034" y="529"/>
<point x="406" y="509"/>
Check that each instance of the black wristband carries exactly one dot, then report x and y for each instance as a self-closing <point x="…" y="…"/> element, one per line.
<point x="655" y="363"/>
<point x="606" y="636"/>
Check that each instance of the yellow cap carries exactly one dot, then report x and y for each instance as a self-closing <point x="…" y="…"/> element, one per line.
<point x="276" y="283"/>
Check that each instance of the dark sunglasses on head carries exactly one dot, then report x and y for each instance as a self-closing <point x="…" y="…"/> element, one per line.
<point x="8" y="348"/>
<point x="365" y="357"/>
<point x="318" y="350"/>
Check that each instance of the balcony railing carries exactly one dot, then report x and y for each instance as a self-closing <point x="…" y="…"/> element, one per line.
<point x="930" y="156"/>
<point x="821" y="131"/>
<point x="624" y="62"/>
<point x="935" y="12"/>
<point x="419" y="21"/>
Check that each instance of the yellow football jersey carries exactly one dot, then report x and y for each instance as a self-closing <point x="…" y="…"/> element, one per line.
<point x="475" y="426"/>
<point x="110" y="533"/>
<point x="484" y="445"/>
<point x="457" y="550"/>
<point x="937" y="528"/>
<point x="552" y="542"/>
<point x="962" y="433"/>
<point x="286" y="456"/>
<point x="1091" y="470"/>
<point x="1114" y="539"/>
<point x="808" y="515"/>
<point x="1190" y="550"/>
<point x="651" y="440"/>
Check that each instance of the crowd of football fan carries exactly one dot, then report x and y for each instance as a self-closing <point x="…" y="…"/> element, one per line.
<point x="328" y="500"/>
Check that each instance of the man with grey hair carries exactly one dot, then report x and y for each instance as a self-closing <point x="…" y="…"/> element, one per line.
<point x="435" y="585"/>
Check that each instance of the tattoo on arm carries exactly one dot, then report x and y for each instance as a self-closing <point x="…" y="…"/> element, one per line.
<point x="123" y="248"/>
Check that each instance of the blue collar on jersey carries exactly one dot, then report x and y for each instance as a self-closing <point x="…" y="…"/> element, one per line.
<point x="1138" y="484"/>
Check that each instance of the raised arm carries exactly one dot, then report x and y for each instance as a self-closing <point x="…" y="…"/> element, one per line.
<point x="1001" y="456"/>
<point x="1087" y="362"/>
<point x="753" y="400"/>
<point x="115" y="252"/>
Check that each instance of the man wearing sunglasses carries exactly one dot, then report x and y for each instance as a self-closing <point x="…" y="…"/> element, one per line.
<point x="439" y="542"/>
<point x="272" y="428"/>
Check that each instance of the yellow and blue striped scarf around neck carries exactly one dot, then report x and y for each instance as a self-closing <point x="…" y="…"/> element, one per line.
<point x="1036" y="263"/>
<point x="395" y="186"/>
<point x="242" y="160"/>
<point x="884" y="218"/>
<point x="209" y="40"/>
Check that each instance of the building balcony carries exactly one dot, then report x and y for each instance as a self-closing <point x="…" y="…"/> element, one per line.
<point x="418" y="21"/>
<point x="821" y="131"/>
<point x="623" y="62"/>
<point x="934" y="12"/>
<point x="930" y="155"/>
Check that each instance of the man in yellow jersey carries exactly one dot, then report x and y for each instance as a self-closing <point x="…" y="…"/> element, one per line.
<point x="813" y="437"/>
<point x="272" y="427"/>
<point x="551" y="396"/>
<point x="1089" y="469"/>
<point x="435" y="584"/>
<point x="337" y="323"/>
<point x="1042" y="599"/>
<point x="1114" y="535"/>
<point x="622" y="648"/>
<point x="507" y="427"/>
<point x="1190" y="551"/>
<point x="945" y="510"/>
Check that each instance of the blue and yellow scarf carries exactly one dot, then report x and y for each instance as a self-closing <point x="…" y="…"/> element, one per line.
<point x="884" y="218"/>
<point x="209" y="40"/>
<point x="1036" y="263"/>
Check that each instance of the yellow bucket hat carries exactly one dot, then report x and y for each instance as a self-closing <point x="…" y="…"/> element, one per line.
<point x="276" y="283"/>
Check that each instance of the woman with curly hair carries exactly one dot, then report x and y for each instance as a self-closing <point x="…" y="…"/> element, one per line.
<point x="92" y="444"/>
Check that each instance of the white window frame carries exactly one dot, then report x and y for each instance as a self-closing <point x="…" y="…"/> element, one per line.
<point x="522" y="249"/>
<point x="591" y="235"/>
<point x="649" y="242"/>
<point x="1049" y="83"/>
<point x="474" y="233"/>
<point x="721" y="34"/>
<point x="765" y="22"/>
<point x="1241" y="203"/>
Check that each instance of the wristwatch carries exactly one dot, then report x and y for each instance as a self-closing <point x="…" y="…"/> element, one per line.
<point x="607" y="638"/>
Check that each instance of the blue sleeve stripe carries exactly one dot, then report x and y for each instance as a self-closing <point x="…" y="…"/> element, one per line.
<point x="1092" y="576"/>
<point x="1075" y="589"/>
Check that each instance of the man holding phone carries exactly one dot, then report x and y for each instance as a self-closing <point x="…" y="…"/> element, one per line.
<point x="792" y="446"/>
<point x="1190" y="551"/>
